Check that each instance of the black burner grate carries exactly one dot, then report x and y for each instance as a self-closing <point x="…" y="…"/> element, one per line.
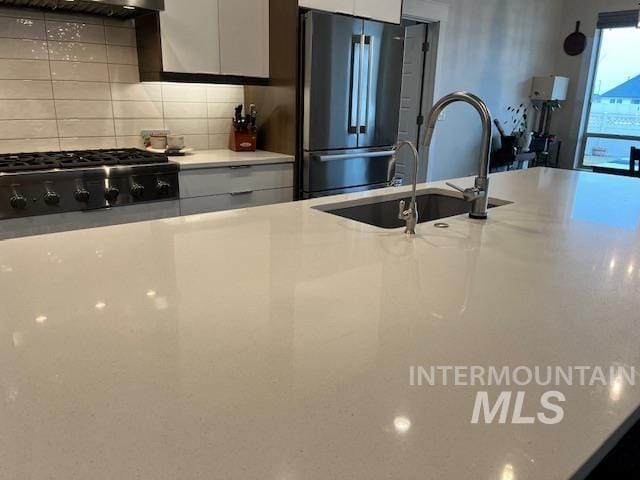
<point x="19" y="162"/>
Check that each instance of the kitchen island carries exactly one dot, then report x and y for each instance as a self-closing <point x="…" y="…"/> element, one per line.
<point x="276" y="342"/>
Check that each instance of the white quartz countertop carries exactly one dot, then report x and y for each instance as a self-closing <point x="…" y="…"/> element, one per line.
<point x="226" y="158"/>
<point x="275" y="342"/>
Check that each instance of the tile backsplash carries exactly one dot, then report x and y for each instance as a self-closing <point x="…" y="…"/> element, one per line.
<point x="70" y="81"/>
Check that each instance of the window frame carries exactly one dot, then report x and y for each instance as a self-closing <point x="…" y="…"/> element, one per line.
<point x="589" y="102"/>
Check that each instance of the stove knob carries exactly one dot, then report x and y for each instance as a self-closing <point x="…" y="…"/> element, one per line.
<point x="18" y="202"/>
<point x="111" y="194"/>
<point x="163" y="188"/>
<point x="137" y="191"/>
<point x="52" y="199"/>
<point x="82" y="195"/>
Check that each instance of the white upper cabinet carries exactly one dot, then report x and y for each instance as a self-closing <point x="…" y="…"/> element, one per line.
<point x="341" y="6"/>
<point x="244" y="37"/>
<point x="383" y="10"/>
<point x="190" y="41"/>
<point x="227" y="37"/>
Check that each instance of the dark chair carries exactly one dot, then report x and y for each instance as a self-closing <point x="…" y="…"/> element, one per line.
<point x="633" y="158"/>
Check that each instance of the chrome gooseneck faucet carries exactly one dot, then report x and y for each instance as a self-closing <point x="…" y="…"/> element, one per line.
<point x="479" y="194"/>
<point x="410" y="215"/>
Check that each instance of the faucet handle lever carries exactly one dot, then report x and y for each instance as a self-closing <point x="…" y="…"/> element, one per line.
<point x="470" y="194"/>
<point x="455" y="187"/>
<point x="402" y="211"/>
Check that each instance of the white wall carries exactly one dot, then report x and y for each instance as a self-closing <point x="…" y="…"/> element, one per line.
<point x="492" y="48"/>
<point x="566" y="122"/>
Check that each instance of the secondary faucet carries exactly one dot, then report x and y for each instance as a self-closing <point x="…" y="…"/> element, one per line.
<point x="410" y="215"/>
<point x="479" y="194"/>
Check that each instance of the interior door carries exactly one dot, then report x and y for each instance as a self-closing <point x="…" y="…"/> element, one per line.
<point x="382" y="54"/>
<point x="333" y="47"/>
<point x="411" y="98"/>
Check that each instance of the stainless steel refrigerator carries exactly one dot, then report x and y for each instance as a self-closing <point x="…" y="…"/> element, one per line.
<point x="351" y="103"/>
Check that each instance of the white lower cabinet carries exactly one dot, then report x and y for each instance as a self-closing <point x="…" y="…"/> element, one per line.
<point x="239" y="186"/>
<point x="230" y="201"/>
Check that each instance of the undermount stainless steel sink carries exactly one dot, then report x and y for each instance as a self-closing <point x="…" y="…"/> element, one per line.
<point x="433" y="204"/>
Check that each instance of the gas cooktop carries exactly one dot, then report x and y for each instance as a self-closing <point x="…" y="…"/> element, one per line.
<point x="20" y="162"/>
<point x="60" y="182"/>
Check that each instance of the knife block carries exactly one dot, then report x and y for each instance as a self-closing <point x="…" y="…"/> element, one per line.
<point x="242" y="141"/>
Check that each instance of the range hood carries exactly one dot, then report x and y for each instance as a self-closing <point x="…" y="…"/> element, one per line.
<point x="109" y="8"/>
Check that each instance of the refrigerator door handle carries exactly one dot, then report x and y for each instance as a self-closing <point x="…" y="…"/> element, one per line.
<point x="366" y="74"/>
<point x="347" y="156"/>
<point x="354" y="86"/>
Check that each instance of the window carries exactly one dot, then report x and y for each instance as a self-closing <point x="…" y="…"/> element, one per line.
<point x="613" y="123"/>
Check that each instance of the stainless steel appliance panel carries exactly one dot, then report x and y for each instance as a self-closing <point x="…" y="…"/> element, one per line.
<point x="382" y="58"/>
<point x="52" y="192"/>
<point x="332" y="69"/>
<point x="327" y="171"/>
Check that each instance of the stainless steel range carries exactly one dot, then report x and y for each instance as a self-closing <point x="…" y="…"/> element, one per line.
<point x="55" y="183"/>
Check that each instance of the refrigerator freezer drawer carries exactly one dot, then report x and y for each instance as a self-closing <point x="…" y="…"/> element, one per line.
<point x="337" y="170"/>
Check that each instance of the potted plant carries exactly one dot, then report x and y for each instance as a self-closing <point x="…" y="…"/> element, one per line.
<point x="519" y="124"/>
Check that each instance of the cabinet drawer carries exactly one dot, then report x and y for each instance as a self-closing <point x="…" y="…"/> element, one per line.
<point x="217" y="203"/>
<point x="241" y="178"/>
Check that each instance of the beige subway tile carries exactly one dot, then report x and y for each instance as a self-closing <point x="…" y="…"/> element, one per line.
<point x="131" y="127"/>
<point x="225" y="94"/>
<point x="94" y="72"/>
<point x="87" y="143"/>
<point x="26" y="145"/>
<point x="125" y="37"/>
<point x="27" y="109"/>
<point x="218" y="141"/>
<point x="136" y="91"/>
<point x="131" y="141"/>
<point x="198" y="142"/>
<point x="83" y="109"/>
<point x="221" y="110"/>
<point x="23" y="48"/>
<point x="21" y="27"/>
<point x="86" y="128"/>
<point x="13" y="129"/>
<point x="75" y="32"/>
<point x="133" y="109"/>
<point x="24" y="69"/>
<point x="187" y="126"/>
<point x="119" y="22"/>
<point x="219" y="125"/>
<point x="180" y="92"/>
<point x="185" y="110"/>
<point x="77" y="52"/>
<point x="122" y="55"/>
<point x="73" y="17"/>
<point x="25" y="89"/>
<point x="124" y="73"/>
<point x="21" y="13"/>
<point x="73" y="90"/>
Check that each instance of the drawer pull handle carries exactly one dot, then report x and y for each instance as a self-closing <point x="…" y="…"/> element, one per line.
<point x="246" y="192"/>
<point x="238" y="167"/>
